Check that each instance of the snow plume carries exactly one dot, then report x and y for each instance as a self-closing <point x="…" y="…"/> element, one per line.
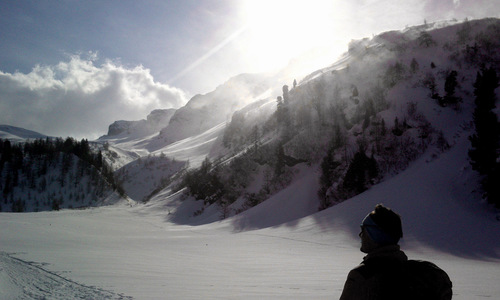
<point x="459" y="9"/>
<point x="79" y="98"/>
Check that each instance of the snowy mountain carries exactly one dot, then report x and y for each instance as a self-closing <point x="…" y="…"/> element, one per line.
<point x="17" y="134"/>
<point x="155" y="121"/>
<point x="385" y="96"/>
<point x="228" y="197"/>
<point x="387" y="102"/>
<point x="382" y="100"/>
<point x="203" y="112"/>
<point x="195" y="126"/>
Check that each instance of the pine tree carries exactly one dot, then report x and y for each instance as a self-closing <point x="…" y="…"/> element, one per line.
<point x="205" y="182"/>
<point x="425" y="40"/>
<point x="283" y="113"/>
<point x="361" y="171"/>
<point x="485" y="140"/>
<point x="255" y="138"/>
<point x="414" y="66"/>
<point x="449" y="88"/>
<point x="398" y="128"/>
<point x="286" y="95"/>
<point x="280" y="110"/>
<point x="279" y="167"/>
<point x="383" y="129"/>
<point x="328" y="166"/>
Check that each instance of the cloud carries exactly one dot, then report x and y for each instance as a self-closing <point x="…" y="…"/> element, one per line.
<point x="79" y="99"/>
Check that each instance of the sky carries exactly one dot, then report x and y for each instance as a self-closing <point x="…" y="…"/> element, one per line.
<point x="71" y="68"/>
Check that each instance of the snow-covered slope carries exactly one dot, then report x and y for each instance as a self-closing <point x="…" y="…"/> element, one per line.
<point x="394" y="75"/>
<point x="188" y="133"/>
<point x="203" y="112"/>
<point x="146" y="175"/>
<point x="16" y="134"/>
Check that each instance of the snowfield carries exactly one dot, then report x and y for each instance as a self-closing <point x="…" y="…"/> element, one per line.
<point x="144" y="252"/>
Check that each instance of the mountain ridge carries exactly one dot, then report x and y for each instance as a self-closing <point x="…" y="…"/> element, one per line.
<point x="19" y="134"/>
<point x="361" y="91"/>
<point x="428" y="127"/>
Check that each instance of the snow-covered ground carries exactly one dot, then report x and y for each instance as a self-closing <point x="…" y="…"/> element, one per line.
<point x="142" y="252"/>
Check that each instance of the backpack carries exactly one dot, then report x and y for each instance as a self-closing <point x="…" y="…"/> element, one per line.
<point x="426" y="281"/>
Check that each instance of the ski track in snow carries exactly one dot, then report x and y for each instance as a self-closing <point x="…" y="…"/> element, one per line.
<point x="26" y="280"/>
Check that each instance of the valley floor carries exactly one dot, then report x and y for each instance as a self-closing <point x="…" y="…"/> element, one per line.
<point x="117" y="253"/>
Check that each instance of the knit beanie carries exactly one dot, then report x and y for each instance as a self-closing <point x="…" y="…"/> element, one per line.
<point x="383" y="225"/>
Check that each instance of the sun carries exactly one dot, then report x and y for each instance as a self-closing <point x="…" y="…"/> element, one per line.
<point x="279" y="30"/>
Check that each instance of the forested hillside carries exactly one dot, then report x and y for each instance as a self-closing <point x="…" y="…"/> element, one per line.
<point x="50" y="174"/>
<point x="388" y="101"/>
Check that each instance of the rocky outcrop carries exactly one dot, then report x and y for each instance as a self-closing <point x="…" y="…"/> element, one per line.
<point x="155" y="121"/>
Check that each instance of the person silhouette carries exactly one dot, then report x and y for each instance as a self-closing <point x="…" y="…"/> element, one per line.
<point x="386" y="273"/>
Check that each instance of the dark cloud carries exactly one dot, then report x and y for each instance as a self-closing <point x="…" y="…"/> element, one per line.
<point x="77" y="98"/>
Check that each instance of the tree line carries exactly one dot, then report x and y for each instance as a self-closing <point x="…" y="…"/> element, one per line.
<point x="45" y="173"/>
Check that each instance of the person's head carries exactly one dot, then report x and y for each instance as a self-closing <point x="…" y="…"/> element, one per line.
<point x="381" y="227"/>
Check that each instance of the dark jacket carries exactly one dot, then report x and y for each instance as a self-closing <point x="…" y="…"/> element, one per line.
<point x="377" y="277"/>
